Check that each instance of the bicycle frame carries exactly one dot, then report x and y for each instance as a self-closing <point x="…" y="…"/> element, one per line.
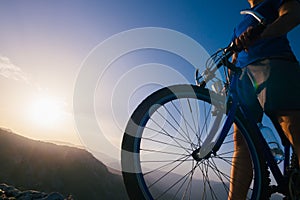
<point x="234" y="104"/>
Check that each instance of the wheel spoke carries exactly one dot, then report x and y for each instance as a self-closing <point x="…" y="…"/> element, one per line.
<point x="180" y="160"/>
<point x="166" y="134"/>
<point x="170" y="144"/>
<point x="170" y="135"/>
<point x="174" y="184"/>
<point x="166" y="174"/>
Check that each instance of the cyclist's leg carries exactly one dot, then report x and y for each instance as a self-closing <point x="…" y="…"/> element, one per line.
<point x="241" y="160"/>
<point x="289" y="122"/>
<point x="282" y="98"/>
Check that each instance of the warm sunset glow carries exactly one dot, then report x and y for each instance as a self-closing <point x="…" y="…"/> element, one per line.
<point x="47" y="111"/>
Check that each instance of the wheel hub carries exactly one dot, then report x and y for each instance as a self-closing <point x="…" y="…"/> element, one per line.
<point x="198" y="157"/>
<point x="196" y="154"/>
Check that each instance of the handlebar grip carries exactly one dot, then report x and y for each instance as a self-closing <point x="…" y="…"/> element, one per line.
<point x="255" y="33"/>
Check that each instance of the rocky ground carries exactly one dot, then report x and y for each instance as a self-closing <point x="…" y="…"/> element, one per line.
<point x="11" y="193"/>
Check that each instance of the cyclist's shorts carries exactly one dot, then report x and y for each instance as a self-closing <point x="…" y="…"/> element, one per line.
<point x="275" y="81"/>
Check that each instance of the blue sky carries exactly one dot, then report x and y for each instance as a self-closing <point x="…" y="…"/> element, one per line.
<point x="44" y="44"/>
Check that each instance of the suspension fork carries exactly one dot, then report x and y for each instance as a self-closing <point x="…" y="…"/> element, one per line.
<point x="231" y="108"/>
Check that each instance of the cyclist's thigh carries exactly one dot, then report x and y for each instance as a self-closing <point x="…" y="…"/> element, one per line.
<point x="283" y="86"/>
<point x="280" y="83"/>
<point x="249" y="97"/>
<point x="258" y="73"/>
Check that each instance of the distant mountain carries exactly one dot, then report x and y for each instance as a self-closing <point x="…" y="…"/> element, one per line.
<point x="35" y="165"/>
<point x="64" y="143"/>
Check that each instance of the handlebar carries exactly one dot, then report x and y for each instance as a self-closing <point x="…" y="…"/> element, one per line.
<point x="209" y="73"/>
<point x="257" y="30"/>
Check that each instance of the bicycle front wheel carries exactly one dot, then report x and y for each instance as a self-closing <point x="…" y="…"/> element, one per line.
<point x="161" y="144"/>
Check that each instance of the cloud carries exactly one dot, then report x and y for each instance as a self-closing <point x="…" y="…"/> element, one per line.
<point x="11" y="71"/>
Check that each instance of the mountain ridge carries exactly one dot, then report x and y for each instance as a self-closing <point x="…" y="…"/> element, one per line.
<point x="30" y="164"/>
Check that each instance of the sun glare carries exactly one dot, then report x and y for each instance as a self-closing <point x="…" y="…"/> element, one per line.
<point x="47" y="111"/>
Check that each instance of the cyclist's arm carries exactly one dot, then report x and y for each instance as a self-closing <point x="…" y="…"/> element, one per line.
<point x="289" y="17"/>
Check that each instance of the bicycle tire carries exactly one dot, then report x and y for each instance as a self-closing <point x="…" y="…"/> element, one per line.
<point x="147" y="176"/>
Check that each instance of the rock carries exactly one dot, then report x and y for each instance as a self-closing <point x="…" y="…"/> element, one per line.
<point x="28" y="195"/>
<point x="11" y="193"/>
<point x="53" y="196"/>
<point x="9" y="190"/>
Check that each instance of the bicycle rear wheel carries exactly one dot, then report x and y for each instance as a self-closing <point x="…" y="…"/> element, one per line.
<point x="161" y="138"/>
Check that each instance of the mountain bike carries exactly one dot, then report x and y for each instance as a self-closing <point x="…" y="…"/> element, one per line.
<point x="178" y="143"/>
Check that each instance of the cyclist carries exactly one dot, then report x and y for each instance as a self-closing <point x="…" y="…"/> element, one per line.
<point x="271" y="73"/>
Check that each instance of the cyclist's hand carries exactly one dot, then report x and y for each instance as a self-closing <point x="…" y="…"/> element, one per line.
<point x="247" y="38"/>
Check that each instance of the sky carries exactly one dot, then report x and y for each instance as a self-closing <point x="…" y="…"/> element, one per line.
<point x="48" y="91"/>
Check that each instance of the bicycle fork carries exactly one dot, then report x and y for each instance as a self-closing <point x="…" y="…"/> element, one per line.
<point x="215" y="139"/>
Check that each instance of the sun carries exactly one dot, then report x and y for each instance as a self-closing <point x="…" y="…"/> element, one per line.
<point x="46" y="111"/>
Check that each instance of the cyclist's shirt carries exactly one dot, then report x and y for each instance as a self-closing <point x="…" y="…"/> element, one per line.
<point x="266" y="48"/>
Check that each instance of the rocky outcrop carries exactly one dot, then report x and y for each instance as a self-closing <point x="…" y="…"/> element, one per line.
<point x="11" y="193"/>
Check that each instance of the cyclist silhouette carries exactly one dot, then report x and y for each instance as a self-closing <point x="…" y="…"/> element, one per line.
<point x="270" y="79"/>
